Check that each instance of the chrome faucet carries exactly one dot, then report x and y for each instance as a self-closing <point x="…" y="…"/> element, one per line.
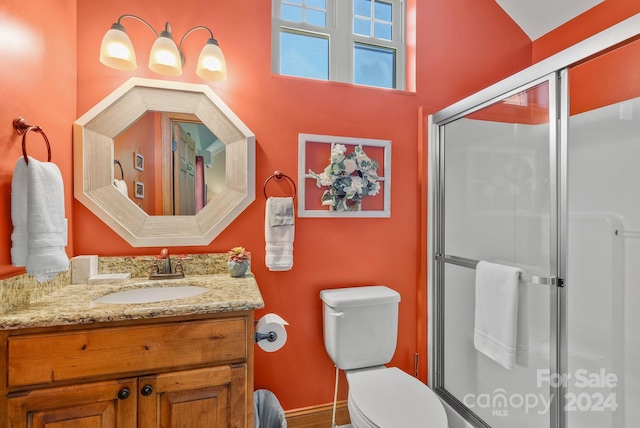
<point x="162" y="269"/>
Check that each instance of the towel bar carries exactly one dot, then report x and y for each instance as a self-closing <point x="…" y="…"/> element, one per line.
<point x="471" y="264"/>
<point x="628" y="233"/>
<point x="21" y="127"/>
<point x="117" y="162"/>
<point x="278" y="176"/>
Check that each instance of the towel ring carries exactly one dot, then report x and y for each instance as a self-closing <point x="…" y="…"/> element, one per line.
<point x="278" y="176"/>
<point x="117" y="162"/>
<point x="23" y="128"/>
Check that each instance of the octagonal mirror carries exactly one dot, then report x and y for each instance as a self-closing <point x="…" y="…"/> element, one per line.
<point x="141" y="193"/>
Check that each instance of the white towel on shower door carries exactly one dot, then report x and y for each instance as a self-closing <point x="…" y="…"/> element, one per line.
<point x="496" y="312"/>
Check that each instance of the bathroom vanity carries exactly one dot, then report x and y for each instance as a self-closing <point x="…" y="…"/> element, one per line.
<point x="181" y="363"/>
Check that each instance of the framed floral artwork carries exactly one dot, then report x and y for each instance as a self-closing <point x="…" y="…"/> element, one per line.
<point x="343" y="176"/>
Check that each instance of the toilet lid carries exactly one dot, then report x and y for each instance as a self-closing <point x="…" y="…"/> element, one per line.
<point x="390" y="398"/>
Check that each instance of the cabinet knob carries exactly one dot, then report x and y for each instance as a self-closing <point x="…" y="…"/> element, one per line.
<point x="124" y="393"/>
<point x="146" y="390"/>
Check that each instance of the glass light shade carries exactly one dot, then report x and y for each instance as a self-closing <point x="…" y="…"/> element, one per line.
<point x="211" y="63"/>
<point x="164" y="57"/>
<point x="116" y="50"/>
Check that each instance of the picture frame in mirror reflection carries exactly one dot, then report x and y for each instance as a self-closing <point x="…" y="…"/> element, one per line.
<point x="138" y="161"/>
<point x="138" y="187"/>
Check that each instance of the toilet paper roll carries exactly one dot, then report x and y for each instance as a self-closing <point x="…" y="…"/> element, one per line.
<point x="272" y="323"/>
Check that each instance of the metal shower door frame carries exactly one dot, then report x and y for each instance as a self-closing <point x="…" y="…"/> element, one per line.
<point x="440" y="258"/>
<point x="554" y="69"/>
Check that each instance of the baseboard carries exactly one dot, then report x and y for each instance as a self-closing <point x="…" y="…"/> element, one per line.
<point x="317" y="416"/>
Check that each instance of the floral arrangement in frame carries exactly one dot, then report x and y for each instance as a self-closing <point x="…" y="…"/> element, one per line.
<point x="356" y="181"/>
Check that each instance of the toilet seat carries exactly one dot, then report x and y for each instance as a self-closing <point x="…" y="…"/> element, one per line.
<point x="388" y="397"/>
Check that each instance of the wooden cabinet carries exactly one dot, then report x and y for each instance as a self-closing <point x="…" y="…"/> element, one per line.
<point x="97" y="405"/>
<point x="206" y="398"/>
<point x="187" y="373"/>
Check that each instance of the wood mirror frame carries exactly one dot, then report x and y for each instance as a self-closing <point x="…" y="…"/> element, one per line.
<point x="93" y="135"/>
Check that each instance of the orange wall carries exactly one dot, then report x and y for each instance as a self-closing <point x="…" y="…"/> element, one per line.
<point x="140" y="138"/>
<point x="591" y="22"/>
<point x="613" y="74"/>
<point x="37" y="82"/>
<point x="460" y="46"/>
<point x="327" y="252"/>
<point x="463" y="47"/>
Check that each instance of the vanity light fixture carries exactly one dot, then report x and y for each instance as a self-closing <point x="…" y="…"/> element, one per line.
<point x="166" y="57"/>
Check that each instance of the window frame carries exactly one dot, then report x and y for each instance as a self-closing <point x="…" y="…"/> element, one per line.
<point x="342" y="40"/>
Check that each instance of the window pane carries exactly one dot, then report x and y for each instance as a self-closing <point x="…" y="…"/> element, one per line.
<point x="304" y="55"/>
<point x="361" y="27"/>
<point x="362" y="8"/>
<point x="318" y="4"/>
<point x="291" y="13"/>
<point x="316" y="17"/>
<point x="374" y="66"/>
<point x="382" y="31"/>
<point x="382" y="11"/>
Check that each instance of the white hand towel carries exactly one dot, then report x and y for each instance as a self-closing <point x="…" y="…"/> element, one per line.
<point x="46" y="225"/>
<point x="522" y="347"/>
<point x="121" y="185"/>
<point x="281" y="212"/>
<point x="278" y="238"/>
<point x="19" y="236"/>
<point x="496" y="312"/>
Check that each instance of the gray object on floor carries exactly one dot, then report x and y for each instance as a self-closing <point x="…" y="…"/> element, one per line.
<point x="268" y="413"/>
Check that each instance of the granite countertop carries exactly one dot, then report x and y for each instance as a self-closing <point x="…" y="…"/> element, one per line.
<point x="74" y="304"/>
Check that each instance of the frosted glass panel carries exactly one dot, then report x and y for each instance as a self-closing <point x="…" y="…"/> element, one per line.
<point x="497" y="191"/>
<point x="603" y="296"/>
<point x="503" y="398"/>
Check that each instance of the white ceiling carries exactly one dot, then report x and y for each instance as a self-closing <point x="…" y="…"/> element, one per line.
<point x="538" y="17"/>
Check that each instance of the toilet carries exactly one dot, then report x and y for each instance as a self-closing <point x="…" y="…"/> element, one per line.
<point x="360" y="333"/>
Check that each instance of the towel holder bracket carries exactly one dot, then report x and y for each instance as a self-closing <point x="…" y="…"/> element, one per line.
<point x="279" y="176"/>
<point x="117" y="162"/>
<point x="22" y="127"/>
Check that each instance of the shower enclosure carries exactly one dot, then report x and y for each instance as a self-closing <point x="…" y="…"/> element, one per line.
<point x="542" y="171"/>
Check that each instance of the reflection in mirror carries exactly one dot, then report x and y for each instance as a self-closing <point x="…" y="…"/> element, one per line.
<point x="184" y="163"/>
<point x="160" y="109"/>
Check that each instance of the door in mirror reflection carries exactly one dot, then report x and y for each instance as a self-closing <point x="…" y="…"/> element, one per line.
<point x="184" y="163"/>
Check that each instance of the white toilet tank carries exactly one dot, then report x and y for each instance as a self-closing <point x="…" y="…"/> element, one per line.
<point x="360" y="325"/>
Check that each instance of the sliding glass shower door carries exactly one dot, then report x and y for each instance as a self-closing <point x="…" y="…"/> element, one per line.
<point x="545" y="177"/>
<point x="496" y="188"/>
<point x="603" y="261"/>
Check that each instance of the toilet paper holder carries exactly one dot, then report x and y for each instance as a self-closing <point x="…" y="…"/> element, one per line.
<point x="271" y="336"/>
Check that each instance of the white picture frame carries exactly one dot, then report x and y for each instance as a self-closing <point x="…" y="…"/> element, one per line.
<point x="309" y="148"/>
<point x="138" y="189"/>
<point x="138" y="161"/>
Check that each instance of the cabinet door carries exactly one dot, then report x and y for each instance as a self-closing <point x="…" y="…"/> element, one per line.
<point x="97" y="405"/>
<point x="203" y="398"/>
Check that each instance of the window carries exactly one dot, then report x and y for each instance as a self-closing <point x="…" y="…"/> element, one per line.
<point x="352" y="41"/>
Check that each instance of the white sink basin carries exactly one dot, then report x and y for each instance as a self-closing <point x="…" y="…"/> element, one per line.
<point x="150" y="295"/>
